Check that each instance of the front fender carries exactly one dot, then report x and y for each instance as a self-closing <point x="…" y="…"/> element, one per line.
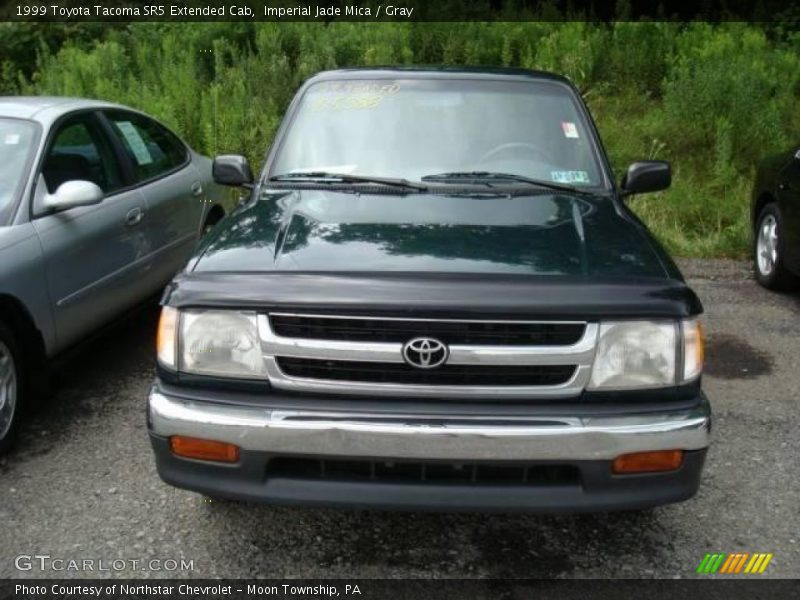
<point x="23" y="278"/>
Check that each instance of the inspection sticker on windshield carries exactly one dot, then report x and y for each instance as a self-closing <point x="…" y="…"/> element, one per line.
<point x="135" y="143"/>
<point x="570" y="130"/>
<point x="12" y="139"/>
<point x="570" y="176"/>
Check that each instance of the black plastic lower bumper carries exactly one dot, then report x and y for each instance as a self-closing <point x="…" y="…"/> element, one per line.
<point x="594" y="489"/>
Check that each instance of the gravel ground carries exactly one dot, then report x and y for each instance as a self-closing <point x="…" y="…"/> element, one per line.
<point x="82" y="483"/>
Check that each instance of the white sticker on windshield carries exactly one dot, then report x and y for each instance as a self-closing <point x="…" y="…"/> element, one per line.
<point x="12" y="139"/>
<point x="570" y="130"/>
<point x="135" y="142"/>
<point x="569" y="177"/>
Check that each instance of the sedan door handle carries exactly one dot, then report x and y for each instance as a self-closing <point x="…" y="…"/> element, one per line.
<point x="134" y="217"/>
<point x="197" y="189"/>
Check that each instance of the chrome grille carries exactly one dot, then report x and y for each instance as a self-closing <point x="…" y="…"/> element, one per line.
<point x="334" y="359"/>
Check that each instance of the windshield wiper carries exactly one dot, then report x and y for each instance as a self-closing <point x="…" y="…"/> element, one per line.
<point x="326" y="177"/>
<point x="487" y="176"/>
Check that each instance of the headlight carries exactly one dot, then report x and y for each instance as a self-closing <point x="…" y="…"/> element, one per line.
<point x="635" y="355"/>
<point x="647" y="354"/>
<point x="211" y="342"/>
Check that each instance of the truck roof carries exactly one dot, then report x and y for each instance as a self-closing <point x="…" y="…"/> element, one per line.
<point x="438" y="72"/>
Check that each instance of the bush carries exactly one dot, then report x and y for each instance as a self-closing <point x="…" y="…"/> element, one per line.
<point x="730" y="81"/>
<point x="636" y="56"/>
<point x="572" y="49"/>
<point x="712" y="99"/>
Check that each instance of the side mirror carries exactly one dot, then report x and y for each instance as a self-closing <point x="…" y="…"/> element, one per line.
<point x="646" y="176"/>
<point x="231" y="169"/>
<point x="72" y="194"/>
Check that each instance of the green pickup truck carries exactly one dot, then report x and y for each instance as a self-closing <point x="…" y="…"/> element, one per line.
<point x="434" y="297"/>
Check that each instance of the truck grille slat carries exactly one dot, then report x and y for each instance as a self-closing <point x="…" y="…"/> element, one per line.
<point x="445" y="375"/>
<point x="449" y="332"/>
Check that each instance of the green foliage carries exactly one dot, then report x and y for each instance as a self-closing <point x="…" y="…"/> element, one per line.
<point x="20" y="42"/>
<point x="734" y="74"/>
<point x="635" y="55"/>
<point x="712" y="99"/>
<point x="10" y="78"/>
<point x="571" y="48"/>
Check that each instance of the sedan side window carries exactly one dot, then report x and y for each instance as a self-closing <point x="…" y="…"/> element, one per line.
<point x="153" y="150"/>
<point x="80" y="152"/>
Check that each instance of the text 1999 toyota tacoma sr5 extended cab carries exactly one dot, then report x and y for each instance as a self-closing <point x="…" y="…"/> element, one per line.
<point x="435" y="298"/>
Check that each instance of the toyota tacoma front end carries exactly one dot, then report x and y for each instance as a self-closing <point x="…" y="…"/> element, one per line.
<point x="434" y="298"/>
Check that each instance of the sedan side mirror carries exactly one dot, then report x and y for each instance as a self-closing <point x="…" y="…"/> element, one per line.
<point x="646" y="176"/>
<point x="72" y="194"/>
<point x="231" y="169"/>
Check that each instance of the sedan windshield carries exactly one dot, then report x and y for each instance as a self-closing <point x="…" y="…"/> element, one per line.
<point x="16" y="144"/>
<point x="410" y="129"/>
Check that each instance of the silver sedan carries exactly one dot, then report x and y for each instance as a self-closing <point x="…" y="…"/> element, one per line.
<point x="100" y="205"/>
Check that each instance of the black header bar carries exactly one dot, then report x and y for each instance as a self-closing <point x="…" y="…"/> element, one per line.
<point x="76" y="11"/>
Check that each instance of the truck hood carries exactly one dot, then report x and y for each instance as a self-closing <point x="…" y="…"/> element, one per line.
<point x="544" y="255"/>
<point x="334" y="231"/>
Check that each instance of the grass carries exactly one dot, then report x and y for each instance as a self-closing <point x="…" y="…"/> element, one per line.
<point x="704" y="213"/>
<point x="697" y="221"/>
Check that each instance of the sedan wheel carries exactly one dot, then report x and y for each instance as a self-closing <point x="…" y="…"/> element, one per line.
<point x="768" y="251"/>
<point x="767" y="245"/>
<point x="8" y="390"/>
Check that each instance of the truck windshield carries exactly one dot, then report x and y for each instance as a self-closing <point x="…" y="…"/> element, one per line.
<point x="16" y="144"/>
<point x="416" y="127"/>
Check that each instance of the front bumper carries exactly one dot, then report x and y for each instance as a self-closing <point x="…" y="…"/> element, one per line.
<point x="587" y="445"/>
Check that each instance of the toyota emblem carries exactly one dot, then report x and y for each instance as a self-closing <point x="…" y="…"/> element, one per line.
<point x="425" y="353"/>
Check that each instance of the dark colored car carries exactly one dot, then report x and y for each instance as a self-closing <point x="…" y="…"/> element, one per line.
<point x="775" y="213"/>
<point x="435" y="297"/>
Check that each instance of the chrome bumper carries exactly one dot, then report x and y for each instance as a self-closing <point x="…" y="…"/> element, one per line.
<point x="445" y="437"/>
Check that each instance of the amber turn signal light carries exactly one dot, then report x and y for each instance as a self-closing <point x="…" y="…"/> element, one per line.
<point x="648" y="462"/>
<point x="165" y="337"/>
<point x="189" y="447"/>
